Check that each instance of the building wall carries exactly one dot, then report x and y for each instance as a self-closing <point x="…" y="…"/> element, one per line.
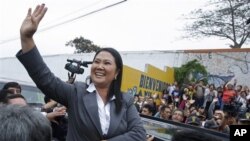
<point x="223" y="65"/>
<point x="11" y="68"/>
<point x="149" y="82"/>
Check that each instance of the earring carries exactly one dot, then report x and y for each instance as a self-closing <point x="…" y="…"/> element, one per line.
<point x="115" y="77"/>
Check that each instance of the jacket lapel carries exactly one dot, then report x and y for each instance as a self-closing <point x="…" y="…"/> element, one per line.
<point x="114" y="118"/>
<point x="92" y="109"/>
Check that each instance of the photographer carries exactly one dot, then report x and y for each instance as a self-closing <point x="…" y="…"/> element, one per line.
<point x="58" y="118"/>
<point x="57" y="114"/>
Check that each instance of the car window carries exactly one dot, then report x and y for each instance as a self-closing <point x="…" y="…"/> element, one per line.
<point x="33" y="96"/>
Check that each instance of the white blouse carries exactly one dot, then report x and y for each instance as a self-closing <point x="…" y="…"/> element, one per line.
<point x="103" y="110"/>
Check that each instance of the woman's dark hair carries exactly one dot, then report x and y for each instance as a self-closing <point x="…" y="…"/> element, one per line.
<point x="115" y="87"/>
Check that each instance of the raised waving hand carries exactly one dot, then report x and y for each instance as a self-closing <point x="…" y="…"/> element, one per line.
<point x="30" y="25"/>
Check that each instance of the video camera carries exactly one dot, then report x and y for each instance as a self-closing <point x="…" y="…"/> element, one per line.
<point x="74" y="66"/>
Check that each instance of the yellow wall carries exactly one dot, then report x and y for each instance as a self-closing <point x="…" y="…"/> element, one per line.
<point x="151" y="81"/>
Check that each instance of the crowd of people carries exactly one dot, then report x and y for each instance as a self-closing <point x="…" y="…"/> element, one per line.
<point x="200" y="105"/>
<point x="183" y="107"/>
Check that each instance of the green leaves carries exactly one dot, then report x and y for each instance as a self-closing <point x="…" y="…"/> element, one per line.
<point x="83" y="45"/>
<point x="183" y="73"/>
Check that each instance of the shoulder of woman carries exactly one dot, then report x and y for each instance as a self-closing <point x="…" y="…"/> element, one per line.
<point x="80" y="84"/>
<point x="80" y="87"/>
<point x="127" y="98"/>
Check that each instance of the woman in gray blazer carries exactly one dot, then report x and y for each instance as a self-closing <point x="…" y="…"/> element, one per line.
<point x="98" y="111"/>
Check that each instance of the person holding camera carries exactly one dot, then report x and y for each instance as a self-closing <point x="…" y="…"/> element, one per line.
<point x="57" y="115"/>
<point x="98" y="111"/>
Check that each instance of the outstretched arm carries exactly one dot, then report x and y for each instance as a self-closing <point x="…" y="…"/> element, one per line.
<point x="29" y="27"/>
<point x="37" y="69"/>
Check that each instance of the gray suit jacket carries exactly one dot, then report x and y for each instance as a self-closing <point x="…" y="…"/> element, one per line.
<point x="83" y="120"/>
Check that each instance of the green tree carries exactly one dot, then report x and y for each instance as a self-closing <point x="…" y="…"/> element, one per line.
<point x="225" y="19"/>
<point x="183" y="73"/>
<point x="83" y="45"/>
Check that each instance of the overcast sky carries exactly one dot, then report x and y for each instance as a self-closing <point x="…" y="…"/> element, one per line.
<point x="134" y="25"/>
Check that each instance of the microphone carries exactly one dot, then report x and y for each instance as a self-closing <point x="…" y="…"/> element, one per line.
<point x="85" y="63"/>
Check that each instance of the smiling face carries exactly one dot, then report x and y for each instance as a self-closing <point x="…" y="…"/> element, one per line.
<point x="178" y="116"/>
<point x="166" y="113"/>
<point x="103" y="69"/>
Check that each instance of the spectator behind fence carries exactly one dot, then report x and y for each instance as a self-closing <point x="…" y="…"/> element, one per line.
<point x="13" y="87"/>
<point x="165" y="112"/>
<point x="23" y="124"/>
<point x="147" y="110"/>
<point x="91" y="108"/>
<point x="178" y="115"/>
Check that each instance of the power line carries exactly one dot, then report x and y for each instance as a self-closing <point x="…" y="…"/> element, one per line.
<point x="87" y="14"/>
<point x="71" y="13"/>
<point x="67" y="21"/>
